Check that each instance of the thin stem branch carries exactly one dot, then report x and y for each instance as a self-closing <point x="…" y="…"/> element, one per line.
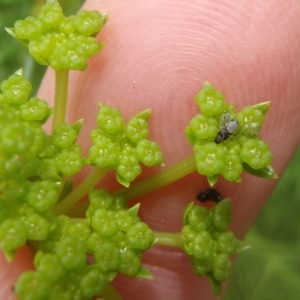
<point x="110" y="293"/>
<point x="61" y="93"/>
<point x="78" y="210"/>
<point x="82" y="189"/>
<point x="160" y="180"/>
<point x="148" y="185"/>
<point x="168" y="238"/>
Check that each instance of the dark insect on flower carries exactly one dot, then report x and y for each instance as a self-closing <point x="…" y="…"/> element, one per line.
<point x="228" y="127"/>
<point x="209" y="194"/>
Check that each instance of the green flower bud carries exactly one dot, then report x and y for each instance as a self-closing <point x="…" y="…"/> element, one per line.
<point x="34" y="109"/>
<point x="202" y="127"/>
<point x="13" y="235"/>
<point x="17" y="138"/>
<point x="128" y="166"/>
<point x="49" y="266"/>
<point x="256" y="153"/>
<point x="67" y="25"/>
<point x="29" y="29"/>
<point x="51" y="14"/>
<point x="42" y="195"/>
<point x="221" y="267"/>
<point x="130" y="262"/>
<point x="137" y="129"/>
<point x="126" y="220"/>
<point x="199" y="218"/>
<point x="233" y="167"/>
<point x="89" y="44"/>
<point x="104" y="153"/>
<point x="188" y="233"/>
<point x="16" y="89"/>
<point x="69" y="55"/>
<point x="201" y="266"/>
<point x="33" y="281"/>
<point x="71" y="252"/>
<point x="107" y="257"/>
<point x="221" y="215"/>
<point x="202" y="246"/>
<point x="140" y="236"/>
<point x="250" y="120"/>
<point x="110" y="119"/>
<point x="104" y="222"/>
<point x="93" y="282"/>
<point x="37" y="227"/>
<point x="227" y="242"/>
<point x="79" y="229"/>
<point x="210" y="158"/>
<point x="148" y="153"/>
<point x="69" y="161"/>
<point x="210" y="101"/>
<point x="89" y="22"/>
<point x="64" y="136"/>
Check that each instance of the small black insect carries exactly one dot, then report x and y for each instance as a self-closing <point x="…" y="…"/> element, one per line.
<point x="227" y="128"/>
<point x="209" y="194"/>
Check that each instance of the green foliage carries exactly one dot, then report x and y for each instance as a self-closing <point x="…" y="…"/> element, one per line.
<point x="226" y="142"/>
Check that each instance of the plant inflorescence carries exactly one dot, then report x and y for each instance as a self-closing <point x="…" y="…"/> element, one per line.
<point x="226" y="142"/>
<point x="77" y="257"/>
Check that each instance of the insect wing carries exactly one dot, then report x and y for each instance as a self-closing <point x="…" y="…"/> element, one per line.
<point x="224" y="119"/>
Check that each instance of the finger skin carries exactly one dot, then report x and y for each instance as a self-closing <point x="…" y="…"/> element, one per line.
<point x="157" y="55"/>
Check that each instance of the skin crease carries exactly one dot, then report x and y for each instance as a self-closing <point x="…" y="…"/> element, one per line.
<point x="157" y="55"/>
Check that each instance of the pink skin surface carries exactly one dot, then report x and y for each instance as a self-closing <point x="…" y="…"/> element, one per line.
<point x="157" y="55"/>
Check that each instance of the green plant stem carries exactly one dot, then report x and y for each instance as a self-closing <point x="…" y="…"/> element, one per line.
<point x="82" y="189"/>
<point x="61" y="93"/>
<point x="160" y="180"/>
<point x="78" y="210"/>
<point x="168" y="238"/>
<point x="148" y="185"/>
<point x="110" y="293"/>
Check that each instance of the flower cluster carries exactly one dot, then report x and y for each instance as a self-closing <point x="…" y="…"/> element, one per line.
<point x="58" y="41"/>
<point x="226" y="142"/>
<point x="76" y="258"/>
<point x="24" y="139"/>
<point x="209" y="243"/>
<point x="25" y="194"/>
<point x="79" y="257"/>
<point x="121" y="146"/>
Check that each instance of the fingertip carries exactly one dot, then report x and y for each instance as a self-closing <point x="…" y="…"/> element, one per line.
<point x="10" y="271"/>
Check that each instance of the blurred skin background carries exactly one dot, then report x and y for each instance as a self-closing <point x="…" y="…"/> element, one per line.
<point x="158" y="54"/>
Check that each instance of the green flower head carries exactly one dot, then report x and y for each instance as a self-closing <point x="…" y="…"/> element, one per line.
<point x="226" y="142"/>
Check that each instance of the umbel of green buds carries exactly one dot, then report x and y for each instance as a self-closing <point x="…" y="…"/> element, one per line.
<point x="112" y="235"/>
<point x="58" y="41"/>
<point x="209" y="243"/>
<point x="226" y="142"/>
<point x="32" y="164"/>
<point x="123" y="147"/>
